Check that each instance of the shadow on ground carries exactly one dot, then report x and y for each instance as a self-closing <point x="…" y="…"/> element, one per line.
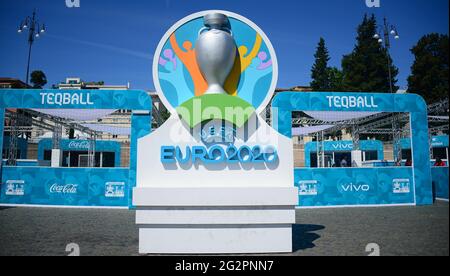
<point x="304" y="236"/>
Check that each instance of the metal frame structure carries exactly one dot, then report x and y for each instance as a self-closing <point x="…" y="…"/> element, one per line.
<point x="19" y="125"/>
<point x="381" y="123"/>
<point x="393" y="124"/>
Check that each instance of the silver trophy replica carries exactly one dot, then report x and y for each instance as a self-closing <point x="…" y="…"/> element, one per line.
<point x="215" y="51"/>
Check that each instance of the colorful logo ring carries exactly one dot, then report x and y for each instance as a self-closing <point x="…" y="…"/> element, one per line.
<point x="177" y="77"/>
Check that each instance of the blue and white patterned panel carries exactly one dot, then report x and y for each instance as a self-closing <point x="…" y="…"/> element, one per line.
<point x="65" y="187"/>
<point x="436" y="142"/>
<point x="440" y="182"/>
<point x="357" y="186"/>
<point x="75" y="99"/>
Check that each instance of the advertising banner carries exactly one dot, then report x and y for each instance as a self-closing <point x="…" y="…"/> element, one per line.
<point x="354" y="186"/>
<point x="65" y="187"/>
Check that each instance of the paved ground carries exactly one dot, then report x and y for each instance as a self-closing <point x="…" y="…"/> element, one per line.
<point x="397" y="230"/>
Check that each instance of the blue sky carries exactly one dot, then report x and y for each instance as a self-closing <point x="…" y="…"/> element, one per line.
<point x="114" y="40"/>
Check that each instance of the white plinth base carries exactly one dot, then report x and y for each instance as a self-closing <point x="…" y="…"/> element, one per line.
<point x="215" y="220"/>
<point x="221" y="240"/>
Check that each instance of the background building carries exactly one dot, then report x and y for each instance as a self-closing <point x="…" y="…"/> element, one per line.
<point x="10" y="83"/>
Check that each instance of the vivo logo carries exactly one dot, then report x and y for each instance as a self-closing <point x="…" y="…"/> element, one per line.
<point x="79" y="145"/>
<point x="355" y="188"/>
<point x="352" y="101"/>
<point x="64" y="189"/>
<point x="343" y="146"/>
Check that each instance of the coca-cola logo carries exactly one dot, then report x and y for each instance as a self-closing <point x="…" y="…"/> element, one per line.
<point x="79" y="145"/>
<point x="64" y="189"/>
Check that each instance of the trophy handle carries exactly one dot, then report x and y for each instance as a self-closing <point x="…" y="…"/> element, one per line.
<point x="202" y="30"/>
<point x="228" y="30"/>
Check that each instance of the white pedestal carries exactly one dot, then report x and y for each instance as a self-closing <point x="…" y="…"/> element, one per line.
<point x="215" y="220"/>
<point x="214" y="208"/>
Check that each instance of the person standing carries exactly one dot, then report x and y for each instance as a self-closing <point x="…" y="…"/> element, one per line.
<point x="440" y="163"/>
<point x="344" y="162"/>
<point x="408" y="163"/>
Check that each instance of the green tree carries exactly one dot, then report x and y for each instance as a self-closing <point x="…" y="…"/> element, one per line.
<point x="429" y="73"/>
<point x="38" y="79"/>
<point x="366" y="68"/>
<point x="335" y="77"/>
<point x="319" y="72"/>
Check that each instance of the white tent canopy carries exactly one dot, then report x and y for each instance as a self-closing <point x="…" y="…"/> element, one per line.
<point x="77" y="114"/>
<point x="114" y="130"/>
<point x="439" y="117"/>
<point x="78" y="135"/>
<point x="302" y="131"/>
<point x="329" y="116"/>
<point x="336" y="116"/>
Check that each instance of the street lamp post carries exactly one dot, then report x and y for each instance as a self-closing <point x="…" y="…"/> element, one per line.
<point x="387" y="45"/>
<point x="396" y="133"/>
<point x="34" y="31"/>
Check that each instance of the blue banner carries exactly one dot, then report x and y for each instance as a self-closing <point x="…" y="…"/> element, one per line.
<point x="337" y="146"/>
<point x="436" y="142"/>
<point x="440" y="182"/>
<point x="81" y="145"/>
<point x="65" y="187"/>
<point x="75" y="99"/>
<point x="357" y="186"/>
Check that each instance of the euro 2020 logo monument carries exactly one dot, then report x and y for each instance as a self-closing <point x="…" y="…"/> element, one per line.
<point x="215" y="178"/>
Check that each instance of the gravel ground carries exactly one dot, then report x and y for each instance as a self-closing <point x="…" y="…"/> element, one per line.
<point x="397" y="230"/>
